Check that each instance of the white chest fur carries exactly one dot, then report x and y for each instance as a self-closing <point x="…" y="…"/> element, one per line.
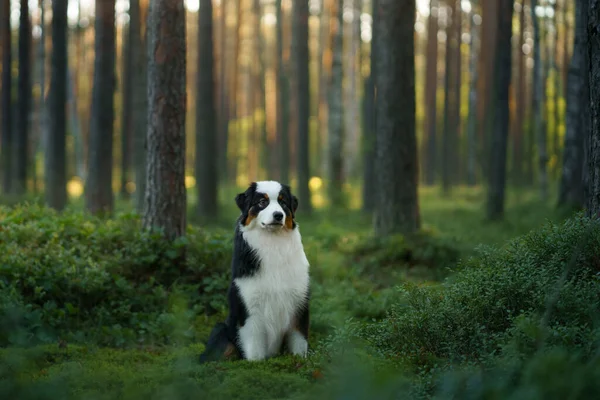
<point x="274" y="294"/>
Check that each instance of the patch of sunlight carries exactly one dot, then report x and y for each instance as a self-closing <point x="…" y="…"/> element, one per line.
<point x="242" y="180"/>
<point x="75" y="187"/>
<point x="130" y="187"/>
<point x="190" y="182"/>
<point x="318" y="200"/>
<point x="315" y="183"/>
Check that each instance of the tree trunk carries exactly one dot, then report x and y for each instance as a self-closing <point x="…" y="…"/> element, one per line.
<point x="282" y="100"/>
<point x="21" y="143"/>
<point x="431" y="77"/>
<point x="369" y="141"/>
<point x="223" y="139"/>
<point x="261" y="101"/>
<point x="474" y="52"/>
<point x="300" y="18"/>
<point x="56" y="145"/>
<point x="75" y="124"/>
<point x="336" y="112"/>
<point x="497" y="176"/>
<point x="127" y="134"/>
<point x="98" y="191"/>
<point x="538" y="93"/>
<point x="39" y="139"/>
<point x="592" y="11"/>
<point x="571" y="192"/>
<point x="6" y="97"/>
<point x="165" y="206"/>
<point x="206" y="123"/>
<point x="517" y="171"/>
<point x="138" y="12"/>
<point x="397" y="208"/>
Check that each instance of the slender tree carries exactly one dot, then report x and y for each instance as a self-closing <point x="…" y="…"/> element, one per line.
<point x="591" y="11"/>
<point x="499" y="142"/>
<point x="397" y="209"/>
<point x="127" y="117"/>
<point x="571" y="191"/>
<point x="21" y="143"/>
<point x="98" y="192"/>
<point x="6" y="155"/>
<point x="474" y="52"/>
<point x="165" y="206"/>
<point x="431" y="77"/>
<point x="301" y="15"/>
<point x="336" y="112"/>
<point x="56" y="145"/>
<point x="520" y="103"/>
<point x="283" y="100"/>
<point x="206" y="122"/>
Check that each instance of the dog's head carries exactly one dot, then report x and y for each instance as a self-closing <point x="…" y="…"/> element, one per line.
<point x="267" y="205"/>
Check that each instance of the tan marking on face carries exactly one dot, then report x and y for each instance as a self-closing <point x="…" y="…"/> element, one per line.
<point x="249" y="219"/>
<point x="288" y="222"/>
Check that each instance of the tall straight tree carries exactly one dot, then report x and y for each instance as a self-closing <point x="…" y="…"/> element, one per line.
<point x="431" y="72"/>
<point x="165" y="206"/>
<point x="592" y="13"/>
<point x="127" y="134"/>
<point x="336" y="111"/>
<point x="98" y="192"/>
<point x="499" y="140"/>
<point x="21" y="143"/>
<point x="56" y="145"/>
<point x="137" y="12"/>
<point x="571" y="191"/>
<point x="520" y="106"/>
<point x="6" y="142"/>
<point x="301" y="16"/>
<point x="397" y="209"/>
<point x="283" y="100"/>
<point x="474" y="52"/>
<point x="369" y="141"/>
<point x="206" y="122"/>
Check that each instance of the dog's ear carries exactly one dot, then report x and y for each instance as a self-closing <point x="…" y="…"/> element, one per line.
<point x="294" y="203"/>
<point x="240" y="200"/>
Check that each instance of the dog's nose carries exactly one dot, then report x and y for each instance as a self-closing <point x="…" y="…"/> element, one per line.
<point x="277" y="216"/>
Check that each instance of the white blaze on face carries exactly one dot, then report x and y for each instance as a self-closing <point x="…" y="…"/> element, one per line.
<point x="271" y="189"/>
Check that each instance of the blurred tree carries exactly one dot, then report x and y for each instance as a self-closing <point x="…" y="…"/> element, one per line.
<point x="431" y="78"/>
<point x="98" y="192"/>
<point x="301" y="16"/>
<point x="283" y="100"/>
<point x="518" y="134"/>
<point x="206" y="123"/>
<point x="165" y="205"/>
<point x="224" y="105"/>
<point x="260" y="100"/>
<point x="474" y="52"/>
<point x="498" y="150"/>
<point x="571" y="191"/>
<point x="397" y="209"/>
<point x="138" y="29"/>
<point x="591" y="12"/>
<point x="21" y="142"/>
<point x="127" y="116"/>
<point x="336" y="111"/>
<point x="7" y="133"/>
<point x="56" y="145"/>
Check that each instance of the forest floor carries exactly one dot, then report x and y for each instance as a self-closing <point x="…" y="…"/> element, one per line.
<point x="348" y="286"/>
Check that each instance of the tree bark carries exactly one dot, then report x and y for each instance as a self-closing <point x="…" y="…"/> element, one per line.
<point x="21" y="143"/>
<point x="206" y="123"/>
<point x="431" y="77"/>
<point x="592" y="11"/>
<point x="369" y="141"/>
<point x="397" y="208"/>
<point x="300" y="17"/>
<point x="127" y="116"/>
<point x="499" y="142"/>
<point x="474" y="52"/>
<point x="56" y="149"/>
<point x="261" y="101"/>
<point x="7" y="134"/>
<point x="517" y="171"/>
<point x="283" y="100"/>
<point x="571" y="191"/>
<point x="336" y="112"/>
<point x="98" y="192"/>
<point x="165" y="206"/>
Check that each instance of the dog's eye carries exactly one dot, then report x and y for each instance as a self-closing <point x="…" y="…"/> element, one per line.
<point x="263" y="203"/>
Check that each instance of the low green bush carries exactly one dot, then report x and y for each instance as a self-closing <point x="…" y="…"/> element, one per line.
<point x="81" y="278"/>
<point x="540" y="289"/>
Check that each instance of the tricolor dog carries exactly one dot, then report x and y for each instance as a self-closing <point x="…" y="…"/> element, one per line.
<point x="269" y="291"/>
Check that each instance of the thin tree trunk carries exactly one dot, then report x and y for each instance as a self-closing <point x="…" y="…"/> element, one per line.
<point x="351" y="122"/>
<point x="261" y="102"/>
<point x="538" y="89"/>
<point x="431" y="78"/>
<point x="557" y="95"/>
<point x="165" y="206"/>
<point x="301" y="15"/>
<point x="206" y="123"/>
<point x="7" y="134"/>
<point x="592" y="22"/>
<point x="39" y="139"/>
<point x="282" y="100"/>
<point x="127" y="109"/>
<point x="21" y="143"/>
<point x="472" y="118"/>
<point x="571" y="192"/>
<point x="56" y="146"/>
<point x="397" y="209"/>
<point x="324" y="81"/>
<point x="497" y="177"/>
<point x="336" y="112"/>
<point x="520" y="106"/>
<point x="223" y="96"/>
<point x="75" y="125"/>
<point x="98" y="192"/>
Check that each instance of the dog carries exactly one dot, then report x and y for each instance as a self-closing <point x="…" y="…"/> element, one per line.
<point x="269" y="293"/>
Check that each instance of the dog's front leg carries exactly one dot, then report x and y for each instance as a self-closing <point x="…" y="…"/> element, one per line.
<point x="296" y="343"/>
<point x="253" y="340"/>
